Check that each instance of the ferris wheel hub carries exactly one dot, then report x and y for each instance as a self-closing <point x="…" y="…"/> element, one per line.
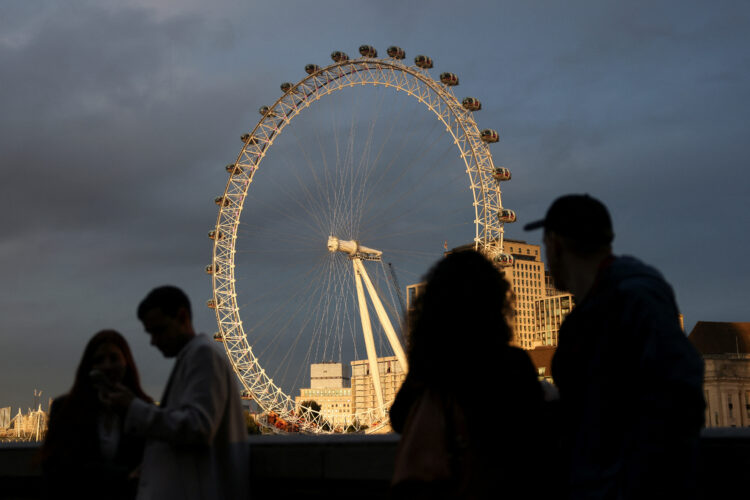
<point x="353" y="248"/>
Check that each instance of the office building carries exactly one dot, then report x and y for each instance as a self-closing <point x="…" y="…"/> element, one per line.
<point x="363" y="389"/>
<point x="329" y="387"/>
<point x="549" y="312"/>
<point x="527" y="280"/>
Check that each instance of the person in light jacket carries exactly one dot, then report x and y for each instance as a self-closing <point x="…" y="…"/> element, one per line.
<point x="196" y="440"/>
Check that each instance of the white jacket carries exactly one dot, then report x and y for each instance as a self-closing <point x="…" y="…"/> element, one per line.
<point x="196" y="441"/>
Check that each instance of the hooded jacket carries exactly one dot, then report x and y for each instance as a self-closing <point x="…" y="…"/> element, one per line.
<point x="630" y="384"/>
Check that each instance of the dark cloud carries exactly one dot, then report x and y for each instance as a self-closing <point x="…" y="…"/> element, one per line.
<point x="117" y="121"/>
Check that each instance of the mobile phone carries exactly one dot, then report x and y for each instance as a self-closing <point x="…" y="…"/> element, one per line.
<point x="99" y="380"/>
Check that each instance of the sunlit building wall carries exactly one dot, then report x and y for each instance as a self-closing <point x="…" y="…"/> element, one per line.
<point x="549" y="313"/>
<point x="329" y="387"/>
<point x="527" y="281"/>
<point x="363" y="389"/>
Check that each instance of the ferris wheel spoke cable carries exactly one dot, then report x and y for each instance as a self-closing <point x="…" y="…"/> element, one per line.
<point x="284" y="364"/>
<point x="368" y="166"/>
<point x="319" y="200"/>
<point x="400" y="234"/>
<point x="314" y="212"/>
<point x="383" y="170"/>
<point x="280" y="211"/>
<point x="407" y="139"/>
<point x="392" y="302"/>
<point x="263" y="327"/>
<point x="283" y="285"/>
<point x="405" y="195"/>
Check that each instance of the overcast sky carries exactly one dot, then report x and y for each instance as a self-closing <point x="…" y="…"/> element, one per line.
<point x="116" y="119"/>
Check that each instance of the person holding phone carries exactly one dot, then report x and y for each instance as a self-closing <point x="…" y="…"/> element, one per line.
<point x="86" y="453"/>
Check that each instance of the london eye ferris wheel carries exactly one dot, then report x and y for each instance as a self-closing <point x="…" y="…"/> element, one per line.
<point x="379" y="164"/>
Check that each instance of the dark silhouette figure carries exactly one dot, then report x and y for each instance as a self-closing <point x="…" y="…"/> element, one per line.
<point x="196" y="439"/>
<point x="86" y="453"/>
<point x="470" y="410"/>
<point x="630" y="383"/>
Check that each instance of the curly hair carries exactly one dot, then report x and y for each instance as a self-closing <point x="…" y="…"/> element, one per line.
<point x="460" y="320"/>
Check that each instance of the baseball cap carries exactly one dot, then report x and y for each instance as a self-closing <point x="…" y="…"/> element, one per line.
<point x="577" y="216"/>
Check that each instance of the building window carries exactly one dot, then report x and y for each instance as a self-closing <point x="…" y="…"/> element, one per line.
<point x="730" y="405"/>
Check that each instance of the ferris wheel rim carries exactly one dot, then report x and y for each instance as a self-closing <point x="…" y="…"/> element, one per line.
<point x="439" y="99"/>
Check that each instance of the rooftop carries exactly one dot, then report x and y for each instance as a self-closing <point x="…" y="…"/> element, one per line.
<point x="713" y="337"/>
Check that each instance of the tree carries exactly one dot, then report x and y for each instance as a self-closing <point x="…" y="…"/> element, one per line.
<point x="311" y="411"/>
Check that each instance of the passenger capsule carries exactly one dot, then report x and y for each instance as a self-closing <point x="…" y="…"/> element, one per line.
<point x="504" y="259"/>
<point x="506" y="215"/>
<point x="286" y="86"/>
<point x="489" y="135"/>
<point x="215" y="235"/>
<point x="264" y="110"/>
<point x="423" y="62"/>
<point x="213" y="304"/>
<point x="233" y="169"/>
<point x="368" y="51"/>
<point x="501" y="174"/>
<point x="471" y="103"/>
<point x="213" y="268"/>
<point x="339" y="56"/>
<point x="312" y="68"/>
<point x="449" y="79"/>
<point x="246" y="395"/>
<point x="218" y="337"/>
<point x="248" y="138"/>
<point x="396" y="52"/>
<point x="222" y="201"/>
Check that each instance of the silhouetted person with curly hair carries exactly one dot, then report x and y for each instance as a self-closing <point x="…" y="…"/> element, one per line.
<point x="470" y="410"/>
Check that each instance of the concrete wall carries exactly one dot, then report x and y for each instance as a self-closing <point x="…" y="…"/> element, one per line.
<point x="354" y="466"/>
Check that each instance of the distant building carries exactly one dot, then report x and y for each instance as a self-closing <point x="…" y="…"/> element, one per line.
<point x="329" y="375"/>
<point x="549" y="313"/>
<point x="31" y="426"/>
<point x="726" y="351"/>
<point x="363" y="389"/>
<point x="329" y="387"/>
<point x="4" y="418"/>
<point x="526" y="278"/>
<point x="412" y="293"/>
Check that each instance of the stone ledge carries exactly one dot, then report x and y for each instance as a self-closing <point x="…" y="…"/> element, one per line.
<point x="356" y="466"/>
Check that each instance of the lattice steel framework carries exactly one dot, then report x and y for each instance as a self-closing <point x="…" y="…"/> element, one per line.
<point x="387" y="72"/>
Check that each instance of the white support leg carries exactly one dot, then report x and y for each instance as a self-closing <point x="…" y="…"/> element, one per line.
<point x="364" y="315"/>
<point x="398" y="350"/>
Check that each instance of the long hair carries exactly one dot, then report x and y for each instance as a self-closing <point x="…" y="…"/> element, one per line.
<point x="79" y="408"/>
<point x="459" y="323"/>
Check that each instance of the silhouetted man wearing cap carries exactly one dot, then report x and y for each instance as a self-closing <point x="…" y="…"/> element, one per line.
<point x="631" y="398"/>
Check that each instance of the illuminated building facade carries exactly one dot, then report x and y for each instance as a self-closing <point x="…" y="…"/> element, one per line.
<point x="549" y="312"/>
<point x="527" y="280"/>
<point x="363" y="390"/>
<point x="329" y="387"/>
<point x="725" y="348"/>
